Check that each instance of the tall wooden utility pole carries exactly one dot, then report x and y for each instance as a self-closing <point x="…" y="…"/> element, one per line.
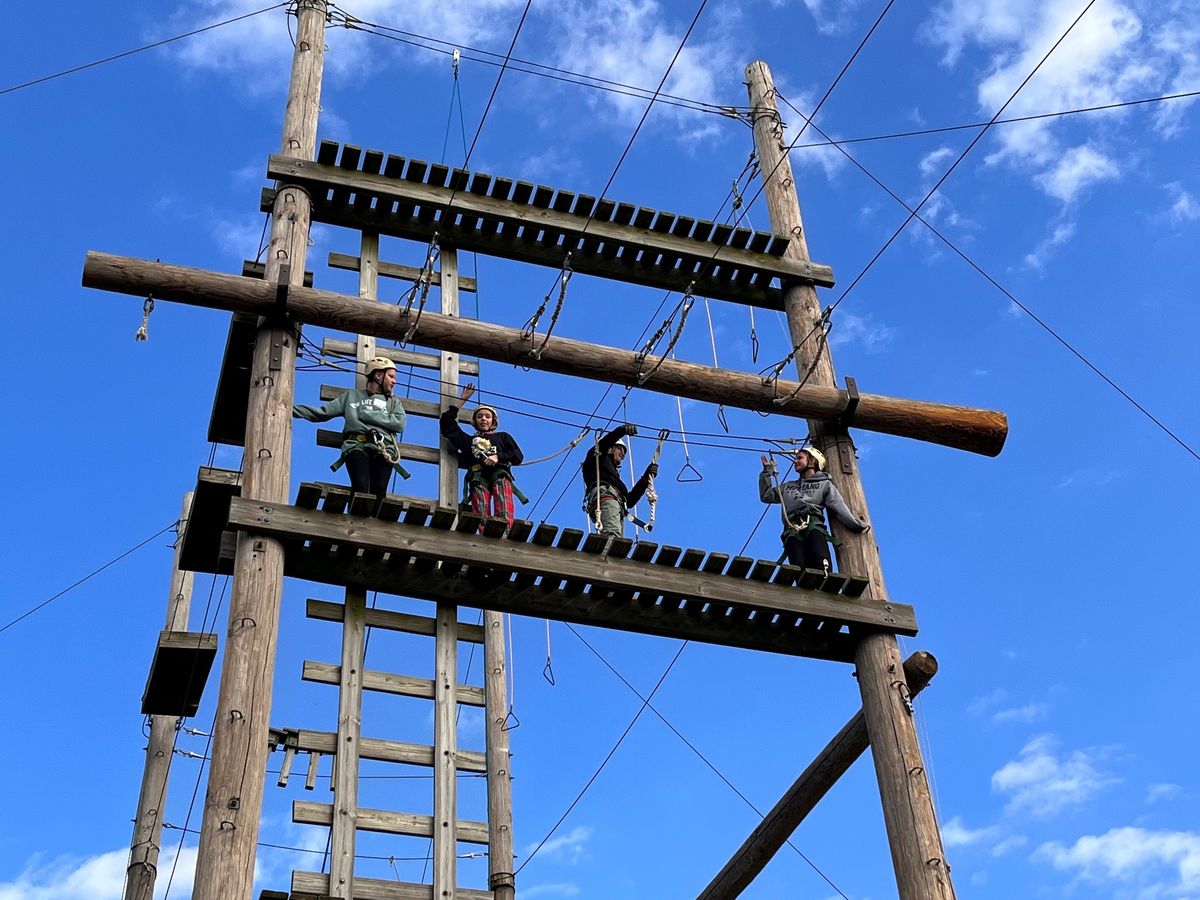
<point x="917" y="852"/>
<point x="147" y="827"/>
<point x="233" y="801"/>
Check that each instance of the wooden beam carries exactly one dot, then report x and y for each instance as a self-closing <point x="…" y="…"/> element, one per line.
<point x="501" y="878"/>
<point x="344" y="834"/>
<point x="395" y="270"/>
<point x="325" y="743"/>
<point x="142" y="870"/>
<point x="289" y="523"/>
<point x="305" y="812"/>
<point x="237" y="773"/>
<point x="652" y="248"/>
<point x="976" y="430"/>
<point x="425" y="408"/>
<point x="340" y="347"/>
<point x="802" y="797"/>
<point x="389" y="683"/>
<point x="178" y="673"/>
<point x="918" y="857"/>
<point x="413" y="452"/>
<point x="392" y="621"/>
<point x="317" y="883"/>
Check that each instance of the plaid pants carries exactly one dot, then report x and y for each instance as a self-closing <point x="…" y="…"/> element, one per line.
<point x="491" y="497"/>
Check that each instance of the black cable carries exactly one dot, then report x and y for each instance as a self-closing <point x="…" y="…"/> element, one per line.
<point x="1025" y="309"/>
<point x="89" y="576"/>
<point x="607" y="757"/>
<point x="113" y="58"/>
<point x="696" y="750"/>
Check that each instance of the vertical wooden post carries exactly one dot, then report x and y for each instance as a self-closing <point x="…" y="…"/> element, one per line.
<point x="233" y="801"/>
<point x="344" y="837"/>
<point x="916" y="844"/>
<point x="445" y="730"/>
<point x="501" y="880"/>
<point x="152" y="799"/>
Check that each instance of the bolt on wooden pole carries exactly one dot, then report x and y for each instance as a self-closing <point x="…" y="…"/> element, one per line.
<point x="916" y="843"/>
<point x="147" y="826"/>
<point x="233" y="800"/>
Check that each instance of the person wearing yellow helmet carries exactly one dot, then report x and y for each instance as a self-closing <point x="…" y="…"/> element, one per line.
<point x="804" y="502"/>
<point x="487" y="456"/>
<point x="374" y="421"/>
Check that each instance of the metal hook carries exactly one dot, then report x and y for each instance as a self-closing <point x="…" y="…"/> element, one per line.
<point x="516" y="723"/>
<point x="548" y="672"/>
<point x="721" y="418"/>
<point x="690" y="479"/>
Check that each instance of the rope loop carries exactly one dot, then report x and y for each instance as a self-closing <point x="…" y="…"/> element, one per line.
<point x="147" y="308"/>
<point x="684" y="307"/>
<point x="421" y="288"/>
<point x="530" y="328"/>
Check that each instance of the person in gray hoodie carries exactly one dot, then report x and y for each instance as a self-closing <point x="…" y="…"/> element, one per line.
<point x="806" y="537"/>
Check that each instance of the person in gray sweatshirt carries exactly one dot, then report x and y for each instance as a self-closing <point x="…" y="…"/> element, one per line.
<point x="806" y="537"/>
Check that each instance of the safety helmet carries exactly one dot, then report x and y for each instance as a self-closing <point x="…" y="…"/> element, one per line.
<point x="817" y="456"/>
<point x="379" y="362"/>
<point x="492" y="410"/>
<point x="620" y="442"/>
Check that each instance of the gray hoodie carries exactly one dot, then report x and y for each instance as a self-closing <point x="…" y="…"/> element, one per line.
<point x="808" y="497"/>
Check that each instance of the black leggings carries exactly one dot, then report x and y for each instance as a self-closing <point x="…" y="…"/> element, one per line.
<point x="369" y="471"/>
<point x="809" y="551"/>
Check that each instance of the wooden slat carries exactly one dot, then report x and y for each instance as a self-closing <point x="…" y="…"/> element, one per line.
<point x="392" y="621"/>
<point x="413" y="452"/>
<point x="394" y="270"/>
<point x="325" y="742"/>
<point x="339" y="347"/>
<point x="424" y="408"/>
<point x="317" y="883"/>
<point x="305" y="812"/>
<point x="388" y="683"/>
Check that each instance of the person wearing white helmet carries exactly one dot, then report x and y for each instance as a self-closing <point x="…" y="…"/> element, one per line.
<point x="487" y="456"/>
<point x="806" y="537"/>
<point x="374" y="421"/>
<point x="605" y="495"/>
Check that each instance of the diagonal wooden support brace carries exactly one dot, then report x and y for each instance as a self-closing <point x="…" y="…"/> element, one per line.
<point x="800" y="799"/>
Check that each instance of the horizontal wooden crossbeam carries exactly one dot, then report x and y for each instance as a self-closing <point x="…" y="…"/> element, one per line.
<point x="388" y="683"/>
<point x="340" y="347"/>
<point x="395" y="270"/>
<point x="387" y="751"/>
<point x="317" y="884"/>
<point x="305" y="812"/>
<point x="413" y="452"/>
<point x="425" y="408"/>
<point x="391" y="621"/>
<point x="977" y="430"/>
<point x="540" y="225"/>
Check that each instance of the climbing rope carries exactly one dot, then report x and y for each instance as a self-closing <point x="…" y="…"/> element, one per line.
<point x="683" y="308"/>
<point x="147" y="308"/>
<point x="510" y="719"/>
<point x="530" y="328"/>
<point x="722" y="420"/>
<point x="683" y="477"/>
<point x="570" y="446"/>
<point x="651" y="493"/>
<point x="421" y="287"/>
<point x="548" y="669"/>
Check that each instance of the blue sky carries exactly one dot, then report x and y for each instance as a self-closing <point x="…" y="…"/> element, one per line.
<point x="1052" y="583"/>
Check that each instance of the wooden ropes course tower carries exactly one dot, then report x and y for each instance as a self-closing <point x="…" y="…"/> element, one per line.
<point x="246" y="524"/>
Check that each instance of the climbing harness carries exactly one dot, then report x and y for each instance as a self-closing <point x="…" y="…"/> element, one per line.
<point x="683" y="308"/>
<point x="147" y="308"/>
<point x="421" y="287"/>
<point x="378" y="441"/>
<point x="527" y="333"/>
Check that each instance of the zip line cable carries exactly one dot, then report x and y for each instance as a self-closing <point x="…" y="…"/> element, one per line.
<point x="179" y="37"/>
<point x="89" y="576"/>
<point x="696" y="750"/>
<point x="1024" y="308"/>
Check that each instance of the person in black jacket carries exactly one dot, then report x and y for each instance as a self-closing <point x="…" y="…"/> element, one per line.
<point x="605" y="496"/>
<point x="488" y="456"/>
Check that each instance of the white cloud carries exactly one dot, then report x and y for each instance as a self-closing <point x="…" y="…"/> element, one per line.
<point x="1038" y="256"/>
<point x="1030" y="712"/>
<point x="830" y="16"/>
<point x="1184" y="207"/>
<point x="1156" y="863"/>
<point x="849" y="328"/>
<point x="934" y="163"/>
<point x="569" y="848"/>
<point x="1044" y="784"/>
<point x="98" y="877"/>
<point x="1157" y="792"/>
<point x="955" y="834"/>
<point x="985" y="702"/>
<point x="1116" y="51"/>
<point x="1009" y="844"/>
<point x="551" y="889"/>
<point x="1076" y="169"/>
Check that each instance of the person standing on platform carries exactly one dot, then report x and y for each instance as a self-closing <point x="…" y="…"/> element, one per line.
<point x="374" y="422"/>
<point x="606" y="498"/>
<point x="488" y="456"/>
<point x="806" y="537"/>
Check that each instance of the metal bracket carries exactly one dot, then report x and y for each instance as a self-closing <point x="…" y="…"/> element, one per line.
<point x="846" y="417"/>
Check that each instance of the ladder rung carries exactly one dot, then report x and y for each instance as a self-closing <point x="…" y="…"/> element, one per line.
<point x="306" y="812"/>
<point x="378" y="889"/>
<point x="388" y="682"/>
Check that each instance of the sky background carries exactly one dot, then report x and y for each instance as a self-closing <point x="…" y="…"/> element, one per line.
<point x="1053" y="583"/>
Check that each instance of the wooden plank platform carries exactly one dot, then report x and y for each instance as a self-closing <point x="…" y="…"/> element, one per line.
<point x="178" y="673"/>
<point x="653" y="248"/>
<point x="307" y="884"/>
<point x="631" y="594"/>
<point x="201" y="538"/>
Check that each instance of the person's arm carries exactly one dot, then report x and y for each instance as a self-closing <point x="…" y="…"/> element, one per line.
<point x="610" y="439"/>
<point x="836" y="505"/>
<point x="453" y="432"/>
<point x="331" y="410"/>
<point x="766" y="484"/>
<point x="392" y="419"/>
<point x="639" y="487"/>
